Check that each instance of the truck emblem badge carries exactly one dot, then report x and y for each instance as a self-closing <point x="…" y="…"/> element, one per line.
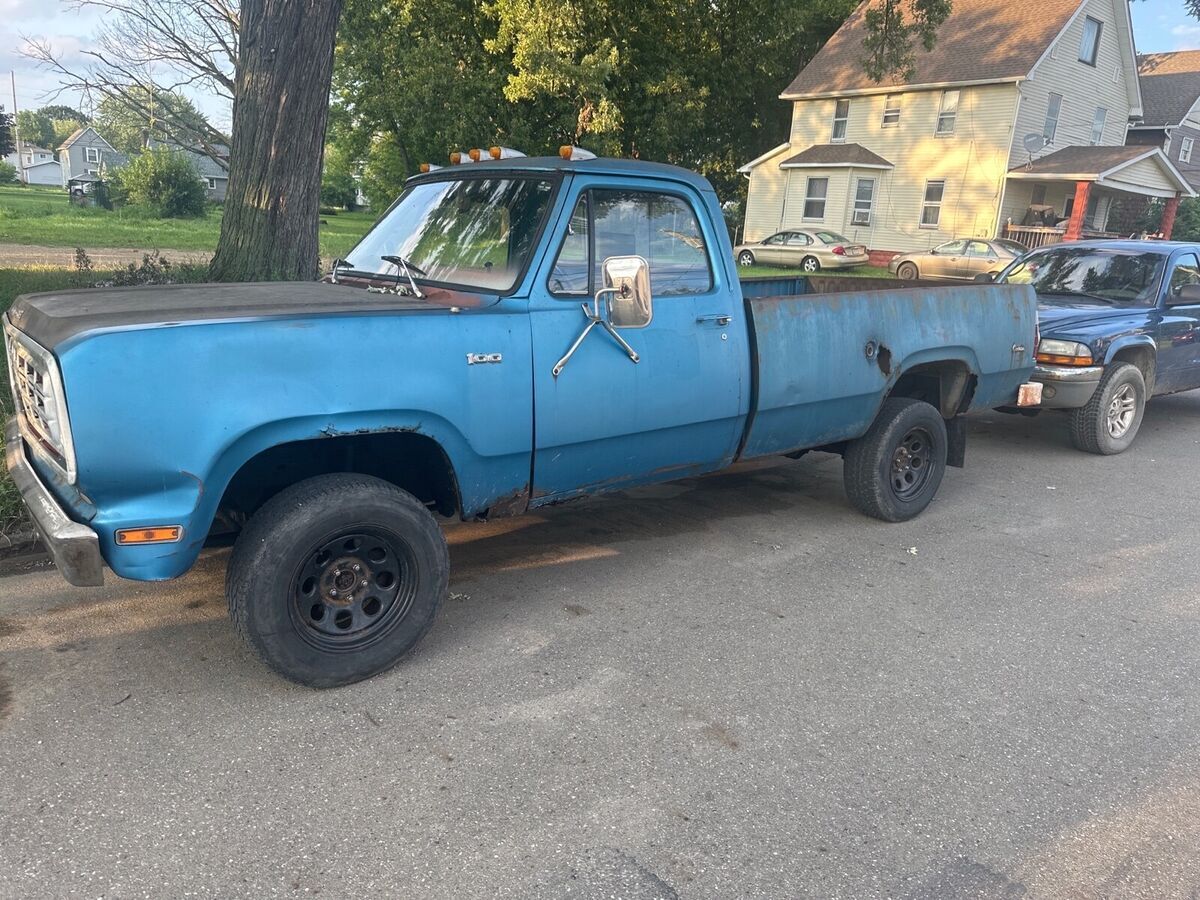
<point x="476" y="359"/>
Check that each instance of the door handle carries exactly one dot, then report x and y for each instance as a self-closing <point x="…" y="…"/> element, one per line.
<point x="718" y="319"/>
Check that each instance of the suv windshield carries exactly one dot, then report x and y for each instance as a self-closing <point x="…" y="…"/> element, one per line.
<point x="1095" y="273"/>
<point x="472" y="232"/>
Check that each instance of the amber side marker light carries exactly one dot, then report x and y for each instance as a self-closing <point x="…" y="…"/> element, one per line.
<point x="156" y="534"/>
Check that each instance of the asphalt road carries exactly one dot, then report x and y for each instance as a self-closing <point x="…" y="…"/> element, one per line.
<point x="732" y="686"/>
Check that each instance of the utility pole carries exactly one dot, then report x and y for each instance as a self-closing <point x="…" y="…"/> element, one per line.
<point x="16" y="127"/>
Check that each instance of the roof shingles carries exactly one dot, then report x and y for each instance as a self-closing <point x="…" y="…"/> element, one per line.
<point x="1170" y="86"/>
<point x="982" y="40"/>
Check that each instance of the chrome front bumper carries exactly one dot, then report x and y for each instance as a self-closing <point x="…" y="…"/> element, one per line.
<point x="75" y="547"/>
<point x="1065" y="387"/>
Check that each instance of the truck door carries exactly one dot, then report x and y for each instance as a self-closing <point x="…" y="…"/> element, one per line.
<point x="605" y="421"/>
<point x="1179" y="329"/>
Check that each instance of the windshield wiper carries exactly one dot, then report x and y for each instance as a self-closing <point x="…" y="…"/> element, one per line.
<point x="338" y="264"/>
<point x="1099" y="297"/>
<point x="408" y="268"/>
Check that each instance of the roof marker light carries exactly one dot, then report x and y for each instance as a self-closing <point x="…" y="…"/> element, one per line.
<point x="457" y="158"/>
<point x="504" y="153"/>
<point x="567" y="151"/>
<point x="428" y="167"/>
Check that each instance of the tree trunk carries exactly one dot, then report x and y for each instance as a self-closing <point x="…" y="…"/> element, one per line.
<point x="285" y="62"/>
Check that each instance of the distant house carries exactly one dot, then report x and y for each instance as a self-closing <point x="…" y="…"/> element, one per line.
<point x="34" y="165"/>
<point x="1012" y="126"/>
<point x="1171" y="114"/>
<point x="86" y="152"/>
<point x="215" y="176"/>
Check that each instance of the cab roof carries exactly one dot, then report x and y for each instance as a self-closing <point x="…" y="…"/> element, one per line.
<point x="628" y="168"/>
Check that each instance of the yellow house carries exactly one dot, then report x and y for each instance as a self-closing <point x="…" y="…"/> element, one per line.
<point x="1013" y="125"/>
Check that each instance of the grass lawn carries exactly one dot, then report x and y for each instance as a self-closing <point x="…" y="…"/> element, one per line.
<point x="41" y="215"/>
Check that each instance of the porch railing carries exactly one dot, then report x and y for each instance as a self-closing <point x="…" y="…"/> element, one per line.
<point x="1034" y="236"/>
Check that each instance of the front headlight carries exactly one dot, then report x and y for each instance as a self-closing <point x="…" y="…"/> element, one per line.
<point x="1063" y="353"/>
<point x="41" y="404"/>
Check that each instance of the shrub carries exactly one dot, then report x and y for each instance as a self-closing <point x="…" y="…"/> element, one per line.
<point x="165" y="182"/>
<point x="8" y="173"/>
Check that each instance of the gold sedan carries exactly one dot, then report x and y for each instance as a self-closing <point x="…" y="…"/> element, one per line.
<point x="809" y="249"/>
<point x="956" y="260"/>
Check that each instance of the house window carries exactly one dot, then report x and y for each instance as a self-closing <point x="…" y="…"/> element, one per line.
<point x="1053" y="109"/>
<point x="91" y="154"/>
<point x="1089" y="45"/>
<point x="841" y="112"/>
<point x="1185" y="150"/>
<point x="891" y="111"/>
<point x="931" y="209"/>
<point x="948" y="112"/>
<point x="864" y="201"/>
<point x="1098" y="124"/>
<point x="814" y="198"/>
<point x="212" y="184"/>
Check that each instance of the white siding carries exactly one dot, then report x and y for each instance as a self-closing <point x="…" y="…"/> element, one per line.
<point x="1144" y="173"/>
<point x="764" y="198"/>
<point x="1083" y="87"/>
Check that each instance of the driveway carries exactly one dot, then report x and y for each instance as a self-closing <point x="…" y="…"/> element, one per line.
<point x="727" y="687"/>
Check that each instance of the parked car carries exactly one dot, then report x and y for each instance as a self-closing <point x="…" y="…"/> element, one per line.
<point x="809" y="249"/>
<point x="1120" y="323"/>
<point x="470" y="384"/>
<point x="956" y="260"/>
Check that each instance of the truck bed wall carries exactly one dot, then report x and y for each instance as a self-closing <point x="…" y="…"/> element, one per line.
<point x="815" y="383"/>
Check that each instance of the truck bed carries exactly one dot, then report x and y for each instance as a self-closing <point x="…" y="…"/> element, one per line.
<point x="823" y="362"/>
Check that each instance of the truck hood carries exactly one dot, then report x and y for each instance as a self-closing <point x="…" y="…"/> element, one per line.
<point x="1057" y="315"/>
<point x="55" y="318"/>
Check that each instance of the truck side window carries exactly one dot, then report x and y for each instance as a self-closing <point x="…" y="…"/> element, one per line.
<point x="662" y="228"/>
<point x="570" y="273"/>
<point x="1186" y="271"/>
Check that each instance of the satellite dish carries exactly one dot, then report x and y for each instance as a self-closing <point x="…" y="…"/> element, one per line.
<point x="1034" y="142"/>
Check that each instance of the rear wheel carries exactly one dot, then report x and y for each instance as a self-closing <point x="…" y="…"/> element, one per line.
<point x="893" y="471"/>
<point x="1110" y="421"/>
<point x="745" y="258"/>
<point x="907" y="272"/>
<point x="810" y="264"/>
<point x="336" y="578"/>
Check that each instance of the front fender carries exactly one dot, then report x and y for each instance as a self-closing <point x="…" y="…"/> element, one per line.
<point x="1130" y="340"/>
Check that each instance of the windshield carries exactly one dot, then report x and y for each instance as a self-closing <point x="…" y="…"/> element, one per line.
<point x="473" y="232"/>
<point x="1095" y="273"/>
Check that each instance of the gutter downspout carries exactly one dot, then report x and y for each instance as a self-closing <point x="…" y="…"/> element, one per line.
<point x="1012" y="137"/>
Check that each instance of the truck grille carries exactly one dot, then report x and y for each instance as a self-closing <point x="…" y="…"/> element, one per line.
<point x="41" y="410"/>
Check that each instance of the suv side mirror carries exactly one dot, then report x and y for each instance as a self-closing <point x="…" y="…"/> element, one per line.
<point x="985" y="277"/>
<point x="1189" y="295"/>
<point x="627" y="286"/>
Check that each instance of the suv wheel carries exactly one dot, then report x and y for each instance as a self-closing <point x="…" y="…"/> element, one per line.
<point x="1111" y="419"/>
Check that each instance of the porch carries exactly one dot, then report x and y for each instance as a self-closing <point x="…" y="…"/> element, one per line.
<point x="1081" y="193"/>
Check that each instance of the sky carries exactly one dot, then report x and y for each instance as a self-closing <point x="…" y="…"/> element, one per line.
<point x="1158" y="25"/>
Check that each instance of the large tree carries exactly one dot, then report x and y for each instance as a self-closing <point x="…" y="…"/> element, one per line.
<point x="284" y="67"/>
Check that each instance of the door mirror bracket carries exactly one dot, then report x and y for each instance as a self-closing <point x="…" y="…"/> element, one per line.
<point x="627" y="304"/>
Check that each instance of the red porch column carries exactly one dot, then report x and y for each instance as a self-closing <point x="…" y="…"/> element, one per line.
<point x="1083" y="191"/>
<point x="1168" y="219"/>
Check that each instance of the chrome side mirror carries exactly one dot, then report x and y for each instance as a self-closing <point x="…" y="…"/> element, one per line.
<point x="627" y="291"/>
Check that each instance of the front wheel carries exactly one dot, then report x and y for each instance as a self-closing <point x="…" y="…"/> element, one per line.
<point x="1111" y="419"/>
<point x="336" y="578"/>
<point x="745" y="258"/>
<point x="893" y="471"/>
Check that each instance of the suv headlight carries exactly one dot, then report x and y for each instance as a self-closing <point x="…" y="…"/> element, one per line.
<point x="1063" y="353"/>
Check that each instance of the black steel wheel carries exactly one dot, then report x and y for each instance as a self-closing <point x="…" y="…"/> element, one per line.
<point x="894" y="470"/>
<point x="353" y="588"/>
<point x="336" y="578"/>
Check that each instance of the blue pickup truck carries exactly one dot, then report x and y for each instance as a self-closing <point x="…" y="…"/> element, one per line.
<point x="1120" y="323"/>
<point x="511" y="334"/>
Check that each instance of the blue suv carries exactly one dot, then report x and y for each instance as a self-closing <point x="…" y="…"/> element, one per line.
<point x="1119" y="323"/>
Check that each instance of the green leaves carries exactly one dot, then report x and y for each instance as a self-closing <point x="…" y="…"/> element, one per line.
<point x="892" y="26"/>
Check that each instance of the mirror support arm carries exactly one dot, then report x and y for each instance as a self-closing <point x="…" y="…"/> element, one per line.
<point x="595" y="318"/>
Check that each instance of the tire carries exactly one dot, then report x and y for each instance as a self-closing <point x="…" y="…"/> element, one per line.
<point x="908" y="433"/>
<point x="1110" y="421"/>
<point x="908" y="272"/>
<point x="296" y="598"/>
<point x="810" y="264"/>
<point x="745" y="258"/>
